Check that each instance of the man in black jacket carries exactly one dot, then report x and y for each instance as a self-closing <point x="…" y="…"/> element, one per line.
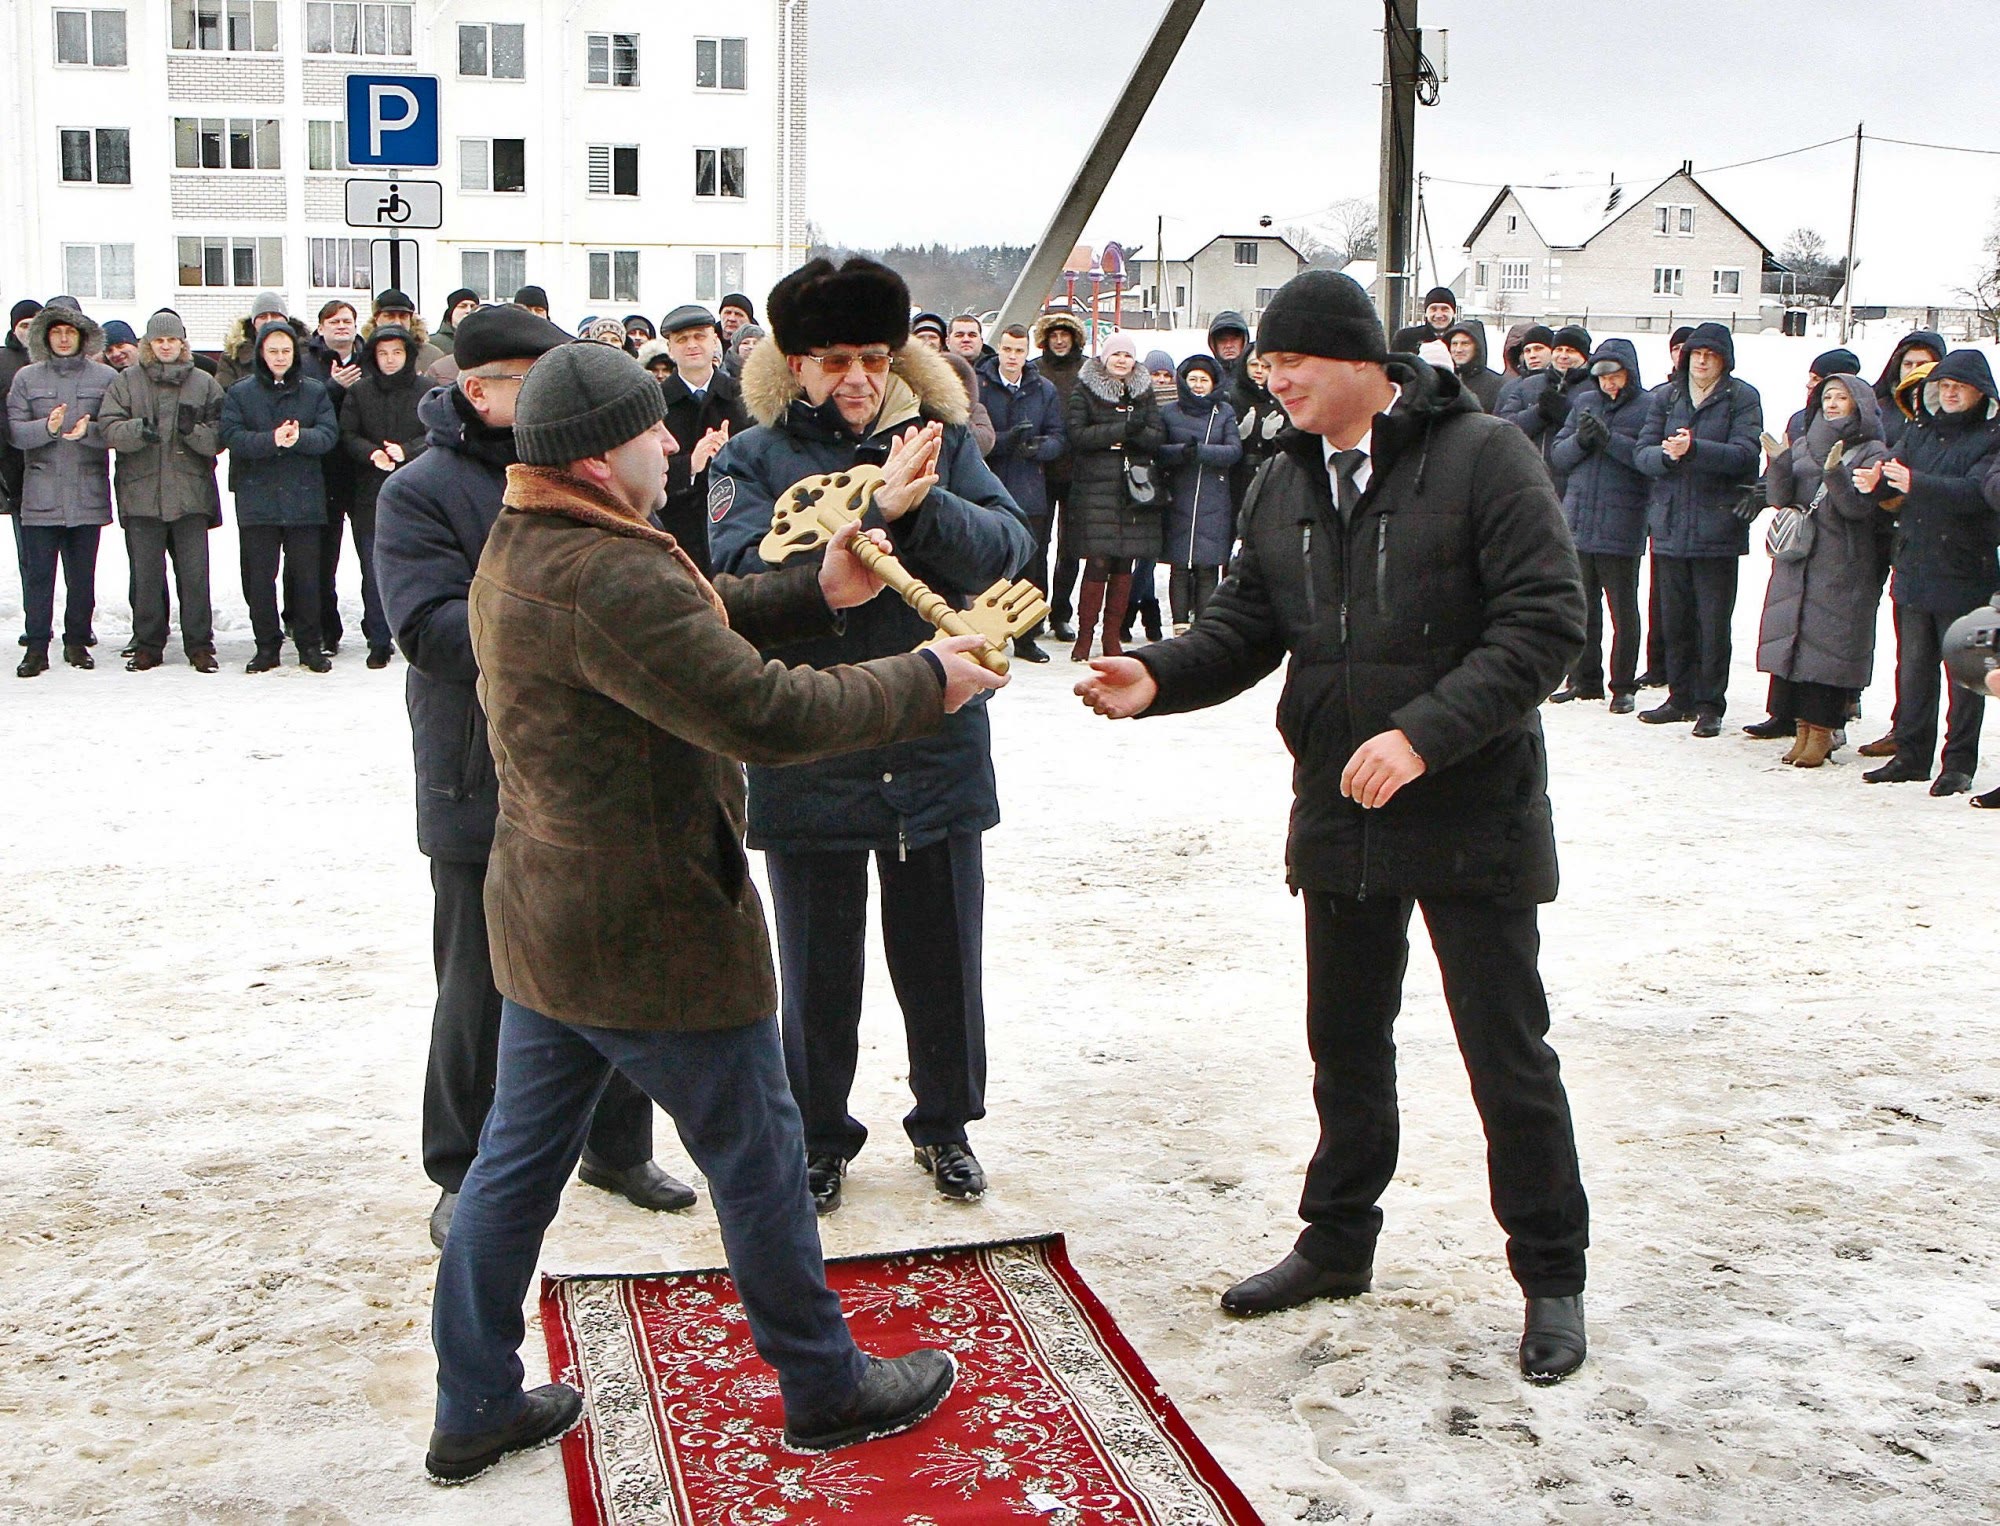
<point x="432" y="519"/>
<point x="704" y="408"/>
<point x="1405" y="551"/>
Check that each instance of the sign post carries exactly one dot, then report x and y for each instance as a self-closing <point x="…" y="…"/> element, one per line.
<point x="392" y="121"/>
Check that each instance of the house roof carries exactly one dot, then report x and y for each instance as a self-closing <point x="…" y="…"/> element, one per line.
<point x="1231" y="238"/>
<point x="1572" y="216"/>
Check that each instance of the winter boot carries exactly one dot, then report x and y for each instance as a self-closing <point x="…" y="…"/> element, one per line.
<point x="1149" y="618"/>
<point x="1814" y="746"/>
<point x="202" y="660"/>
<point x="1799" y="729"/>
<point x="35" y="660"/>
<point x="77" y="655"/>
<point x="1117" y="605"/>
<point x="314" y="660"/>
<point x="1089" y="604"/>
<point x="265" y="660"/>
<point x="143" y="660"/>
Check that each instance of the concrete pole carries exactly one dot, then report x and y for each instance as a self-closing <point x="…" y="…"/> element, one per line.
<point x="1853" y="226"/>
<point x="1024" y="302"/>
<point x="1396" y="208"/>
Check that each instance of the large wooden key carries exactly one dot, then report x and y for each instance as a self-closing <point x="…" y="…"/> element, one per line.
<point x="811" y="512"/>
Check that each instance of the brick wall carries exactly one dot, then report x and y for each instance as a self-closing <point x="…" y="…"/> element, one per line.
<point x="190" y="77"/>
<point x="232" y="197"/>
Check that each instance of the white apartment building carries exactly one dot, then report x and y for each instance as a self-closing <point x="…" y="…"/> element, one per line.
<point x="625" y="155"/>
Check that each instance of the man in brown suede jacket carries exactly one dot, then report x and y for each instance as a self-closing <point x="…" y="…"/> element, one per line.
<point x="622" y="692"/>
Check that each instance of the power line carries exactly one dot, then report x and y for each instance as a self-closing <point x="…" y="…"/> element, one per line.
<point x="1716" y="169"/>
<point x="1943" y="148"/>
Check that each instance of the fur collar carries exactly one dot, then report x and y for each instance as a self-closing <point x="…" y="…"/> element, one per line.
<point x="1098" y="378"/>
<point x="931" y="385"/>
<point x="552" y="491"/>
<point x="91" y="336"/>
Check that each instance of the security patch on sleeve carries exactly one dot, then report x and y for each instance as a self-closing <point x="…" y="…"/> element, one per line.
<point x="721" y="496"/>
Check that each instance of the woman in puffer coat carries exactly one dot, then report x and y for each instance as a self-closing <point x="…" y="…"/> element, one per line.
<point x="1817" y="639"/>
<point x="1201" y="450"/>
<point x="277" y="424"/>
<point x="1112" y="418"/>
<point x="379" y="433"/>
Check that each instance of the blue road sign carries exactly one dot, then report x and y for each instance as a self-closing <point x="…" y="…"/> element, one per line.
<point x="392" y="119"/>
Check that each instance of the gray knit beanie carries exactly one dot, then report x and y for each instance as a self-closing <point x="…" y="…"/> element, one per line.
<point x="166" y="324"/>
<point x="583" y="400"/>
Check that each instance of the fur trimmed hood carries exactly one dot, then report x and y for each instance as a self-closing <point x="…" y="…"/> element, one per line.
<point x="241" y="331"/>
<point x="1049" y="322"/>
<point x="87" y="328"/>
<point x="1098" y="378"/>
<point x="414" y="328"/>
<point x="920" y="381"/>
<point x="655" y="349"/>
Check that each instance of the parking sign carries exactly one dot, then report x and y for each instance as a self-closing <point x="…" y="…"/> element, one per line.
<point x="392" y="119"/>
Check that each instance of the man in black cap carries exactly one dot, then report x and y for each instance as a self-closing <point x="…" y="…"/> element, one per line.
<point x="1655" y="676"/>
<point x="733" y="314"/>
<point x="432" y="519"/>
<point x="1440" y="313"/>
<point x="1405" y="550"/>
<point x="704" y="408"/>
<point x="1539" y="403"/>
<point x="534" y="299"/>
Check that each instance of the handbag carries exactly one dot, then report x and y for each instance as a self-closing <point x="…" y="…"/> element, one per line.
<point x="1791" y="532"/>
<point x="1142" y="486"/>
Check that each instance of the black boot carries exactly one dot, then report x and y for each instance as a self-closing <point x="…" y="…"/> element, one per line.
<point x="441" y="1212"/>
<point x="1291" y="1282"/>
<point x="891" y="1397"/>
<point x="546" y="1412"/>
<point x="643" y="1186"/>
<point x="77" y="655"/>
<point x="1552" y="1339"/>
<point x="824" y="1170"/>
<point x="314" y="660"/>
<point x="957" y="1174"/>
<point x="34" y="661"/>
<point x="1668" y="714"/>
<point x="1951" y="782"/>
<point x="1149" y="618"/>
<point x="1027" y="651"/>
<point x="264" y="662"/>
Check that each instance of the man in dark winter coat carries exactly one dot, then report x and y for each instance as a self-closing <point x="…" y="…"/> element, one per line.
<point x="1702" y="443"/>
<point x="432" y="521"/>
<point x="1527" y="357"/>
<point x="838" y="384"/>
<point x="380" y="433"/>
<point x="704" y="409"/>
<point x="1228" y="342"/>
<point x="1406" y="553"/>
<point x="1027" y="415"/>
<point x="1947" y="529"/>
<point x="1604" y="499"/>
<point x="14" y="356"/>
<point x="1440" y="314"/>
<point x="1059" y="345"/>
<point x="1467" y="343"/>
<point x="1539" y="403"/>
<point x="1920" y="347"/>
<point x="1655" y="676"/>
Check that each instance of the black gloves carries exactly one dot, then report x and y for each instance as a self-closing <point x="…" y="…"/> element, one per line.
<point x="1173" y="453"/>
<point x="1134" y="424"/>
<point x="1749" y="502"/>
<point x="1592" y="433"/>
<point x="187" y="419"/>
<point x="149" y="432"/>
<point x="1022" y="436"/>
<point x="1552" y="405"/>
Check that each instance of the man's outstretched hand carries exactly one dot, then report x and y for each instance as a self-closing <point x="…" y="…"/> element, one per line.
<point x="843" y="581"/>
<point x="1118" y="687"/>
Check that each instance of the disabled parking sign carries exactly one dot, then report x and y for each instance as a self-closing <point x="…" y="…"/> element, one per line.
<point x="392" y="119"/>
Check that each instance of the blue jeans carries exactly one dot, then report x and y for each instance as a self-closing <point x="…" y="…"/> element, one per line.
<point x="727" y="1095"/>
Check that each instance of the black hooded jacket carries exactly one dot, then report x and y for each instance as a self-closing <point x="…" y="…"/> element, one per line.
<point x="1894" y="423"/>
<point x="689" y="418"/>
<point x="1479" y="378"/>
<point x="379" y="409"/>
<point x="1946" y="528"/>
<point x="1447" y="607"/>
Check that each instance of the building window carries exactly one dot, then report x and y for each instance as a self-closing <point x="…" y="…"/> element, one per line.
<point x="358" y="30"/>
<point x="97" y="155"/>
<point x="614" y="275"/>
<point x="1673" y="219"/>
<point x="232" y="143"/>
<point x="98" y="272"/>
<point x="496" y="50"/>
<point x="493" y="164"/>
<point x="1729" y="283"/>
<point x="715" y="274"/>
<point x="718" y="173"/>
<point x="326" y="146"/>
<point x="341" y="264"/>
<point x="92" y="39"/>
<point x="1482" y="275"/>
<point x="1246" y="253"/>
<point x="493" y="275"/>
<point x="1514" y="275"/>
<point x="1180" y="296"/>
<point x="1513" y="223"/>
<point x="1669" y="281"/>
<point x="613" y="169"/>
<point x="720" y="63"/>
<point x="220" y="260"/>
<point x="613" y="58"/>
<point x="1264" y="296"/>
<point x="227" y="26"/>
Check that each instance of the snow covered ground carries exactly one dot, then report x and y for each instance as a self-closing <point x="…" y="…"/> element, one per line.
<point x="1772" y="999"/>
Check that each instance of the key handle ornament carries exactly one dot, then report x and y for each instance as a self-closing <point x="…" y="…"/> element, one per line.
<point x="812" y="511"/>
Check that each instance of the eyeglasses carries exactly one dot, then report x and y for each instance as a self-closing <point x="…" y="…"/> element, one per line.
<point x="840" y="362"/>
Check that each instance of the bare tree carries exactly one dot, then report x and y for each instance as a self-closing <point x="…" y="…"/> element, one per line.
<point x="1804" y="253"/>
<point x="1351" y="228"/>
<point x="1984" y="292"/>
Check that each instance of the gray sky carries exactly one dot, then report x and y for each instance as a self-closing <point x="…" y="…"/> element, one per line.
<point x="963" y="120"/>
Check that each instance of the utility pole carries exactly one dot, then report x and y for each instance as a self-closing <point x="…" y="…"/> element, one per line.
<point x="1024" y="302"/>
<point x="1853" y="223"/>
<point x="1159" y="268"/>
<point x="1401" y="55"/>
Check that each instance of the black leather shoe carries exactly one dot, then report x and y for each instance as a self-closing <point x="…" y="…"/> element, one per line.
<point x="77" y="655"/>
<point x="1951" y="782"/>
<point x="1026" y="649"/>
<point x="893" y="1396"/>
<point x="315" y="660"/>
<point x="1771" y="731"/>
<point x="1990" y="801"/>
<point x="1291" y="1282"/>
<point x="378" y="657"/>
<point x="1621" y="704"/>
<point x="1706" y="725"/>
<point x="824" y="1170"/>
<point x="265" y="661"/>
<point x="546" y="1412"/>
<point x="1666" y="715"/>
<point x="34" y="662"/>
<point x="1569" y="692"/>
<point x="643" y="1186"/>
<point x="1062" y="629"/>
<point x="957" y="1174"/>
<point x="447" y="1205"/>
<point x="1651" y="680"/>
<point x="1552" y="1339"/>
<point x="1896" y="771"/>
<point x="142" y="662"/>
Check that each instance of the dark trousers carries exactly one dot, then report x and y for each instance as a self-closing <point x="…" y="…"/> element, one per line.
<point x="149" y="543"/>
<point x="1188" y="591"/>
<point x="726" y="1092"/>
<point x="374" y="623"/>
<point x="1613" y="581"/>
<point x="1356" y="953"/>
<point x="1062" y="583"/>
<point x="1656" y="633"/>
<point x="258" y="550"/>
<point x="932" y="926"/>
<point x="465" y="1045"/>
<point x="1697" y="600"/>
<point x="1037" y="570"/>
<point x="1815" y="704"/>
<point x="41" y="549"/>
<point x="1919" y="676"/>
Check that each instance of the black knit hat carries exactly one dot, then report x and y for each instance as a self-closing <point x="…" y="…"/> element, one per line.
<point x="503" y="333"/>
<point x="1836" y="363"/>
<point x="1540" y="333"/>
<point x="737" y="300"/>
<point x="27" y="307"/>
<point x="532" y="296"/>
<point x="1680" y="335"/>
<point x="463" y="294"/>
<point x="1322" y="312"/>
<point x="862" y="302"/>
<point x="1575" y="336"/>
<point x="584" y="400"/>
<point x="1441" y="294"/>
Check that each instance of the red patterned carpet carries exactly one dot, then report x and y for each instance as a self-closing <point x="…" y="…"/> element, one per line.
<point x="1054" y="1418"/>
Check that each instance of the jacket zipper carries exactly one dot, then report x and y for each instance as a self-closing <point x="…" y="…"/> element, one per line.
<point x="1347" y="677"/>
<point x="1312" y="599"/>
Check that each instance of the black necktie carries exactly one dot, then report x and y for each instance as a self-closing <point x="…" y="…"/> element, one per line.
<point x="1345" y="464"/>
